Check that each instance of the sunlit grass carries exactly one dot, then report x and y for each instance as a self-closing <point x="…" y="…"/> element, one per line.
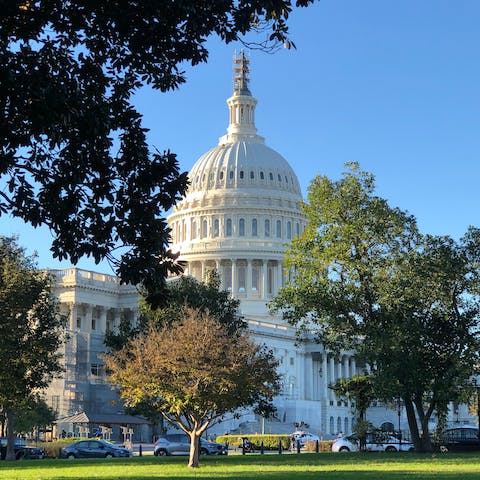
<point x="271" y="467"/>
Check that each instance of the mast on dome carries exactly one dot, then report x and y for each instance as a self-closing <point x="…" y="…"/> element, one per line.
<point x="241" y="105"/>
<point x="240" y="74"/>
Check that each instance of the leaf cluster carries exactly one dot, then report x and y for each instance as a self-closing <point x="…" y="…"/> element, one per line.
<point x="31" y="330"/>
<point x="73" y="151"/>
<point x="194" y="371"/>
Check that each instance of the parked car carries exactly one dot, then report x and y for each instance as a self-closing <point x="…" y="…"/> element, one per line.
<point x="94" y="449"/>
<point x="22" y="450"/>
<point x="459" y="439"/>
<point x="303" y="438"/>
<point x="179" y="444"/>
<point x="375" y="442"/>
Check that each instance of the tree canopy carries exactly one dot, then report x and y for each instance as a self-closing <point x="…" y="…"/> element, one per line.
<point x="73" y="151"/>
<point x="31" y="331"/>
<point x="194" y="372"/>
<point x="365" y="278"/>
<point x="182" y="293"/>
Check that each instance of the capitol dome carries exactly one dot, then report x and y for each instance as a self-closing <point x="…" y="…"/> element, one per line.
<point x="242" y="206"/>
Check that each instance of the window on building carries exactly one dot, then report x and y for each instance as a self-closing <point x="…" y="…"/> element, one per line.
<point x="339" y="424"/>
<point x="292" y="361"/>
<point x="255" y="278"/>
<point x="230" y="174"/>
<point x="227" y="277"/>
<point x="297" y="229"/>
<point x="242" y="278"/>
<point x="193" y="233"/>
<point x="279" y="229"/>
<point x="262" y="176"/>
<point x="270" y="276"/>
<point x="241" y="174"/>
<point x="204" y="228"/>
<point x="221" y="175"/>
<point x="79" y="322"/>
<point x="267" y="228"/>
<point x="252" y="174"/>
<point x="216" y="227"/>
<point x="228" y="227"/>
<point x="279" y="177"/>
<point x="270" y="176"/>
<point x="254" y="227"/>
<point x="289" y="230"/>
<point x="332" y="426"/>
<point x="241" y="227"/>
<point x="96" y="369"/>
<point x="94" y="323"/>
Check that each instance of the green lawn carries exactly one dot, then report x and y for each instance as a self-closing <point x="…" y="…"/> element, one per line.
<point x="324" y="466"/>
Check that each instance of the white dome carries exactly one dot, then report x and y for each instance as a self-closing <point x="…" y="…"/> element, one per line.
<point x="243" y="164"/>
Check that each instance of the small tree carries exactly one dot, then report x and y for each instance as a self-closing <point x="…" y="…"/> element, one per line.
<point x="31" y="332"/>
<point x="194" y="372"/>
<point x="359" y="390"/>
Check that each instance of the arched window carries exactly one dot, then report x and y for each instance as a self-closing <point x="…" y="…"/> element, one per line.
<point x="346" y="425"/>
<point x="332" y="426"/>
<point x="262" y="176"/>
<point x="241" y="174"/>
<point x="242" y="275"/>
<point x="271" y="176"/>
<point x="279" y="178"/>
<point x="339" y="424"/>
<point x="228" y="228"/>
<point x="267" y="227"/>
<point x="216" y="227"/>
<point x="230" y="174"/>
<point x="221" y="175"/>
<point x="254" y="227"/>
<point x="252" y="174"/>
<point x="204" y="228"/>
<point x="279" y="229"/>
<point x="241" y="227"/>
<point x="289" y="230"/>
<point x="297" y="229"/>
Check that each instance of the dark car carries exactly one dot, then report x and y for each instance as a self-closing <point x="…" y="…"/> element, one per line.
<point x="179" y="444"/>
<point x="94" y="449"/>
<point x="22" y="450"/>
<point x="459" y="439"/>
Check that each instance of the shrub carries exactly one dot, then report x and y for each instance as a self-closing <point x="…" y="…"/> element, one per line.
<point x="270" y="441"/>
<point x="53" y="448"/>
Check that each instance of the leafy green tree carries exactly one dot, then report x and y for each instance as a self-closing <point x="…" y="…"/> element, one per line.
<point x="194" y="373"/>
<point x="32" y="415"/>
<point x="183" y="293"/>
<point x="359" y="390"/>
<point x="73" y="150"/>
<point x="31" y="331"/>
<point x="408" y="303"/>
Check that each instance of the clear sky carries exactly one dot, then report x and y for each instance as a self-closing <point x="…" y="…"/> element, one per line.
<point x="393" y="85"/>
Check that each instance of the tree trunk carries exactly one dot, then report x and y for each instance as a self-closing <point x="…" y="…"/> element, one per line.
<point x="424" y="418"/>
<point x="412" y="423"/>
<point x="10" y="454"/>
<point x="193" y="461"/>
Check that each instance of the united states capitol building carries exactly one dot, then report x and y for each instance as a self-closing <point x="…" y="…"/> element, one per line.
<point x="240" y="211"/>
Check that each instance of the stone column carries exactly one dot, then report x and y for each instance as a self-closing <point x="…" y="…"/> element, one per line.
<point x="87" y="321"/>
<point x="264" y="278"/>
<point x="354" y="367"/>
<point x="332" y="376"/>
<point x="116" y="319"/>
<point x="234" y="277"/>
<point x="249" y="277"/>
<point x="203" y="270"/>
<point x="325" y="389"/>
<point x="102" y="320"/>
<point x="346" y="368"/>
<point x="72" y="318"/>
<point x="279" y="279"/>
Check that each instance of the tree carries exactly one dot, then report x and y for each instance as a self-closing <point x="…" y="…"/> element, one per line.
<point x="32" y="415"/>
<point x="194" y="372"/>
<point x="73" y="151"/>
<point x="182" y="293"/>
<point x="359" y="390"/>
<point x="366" y="279"/>
<point x="31" y="331"/>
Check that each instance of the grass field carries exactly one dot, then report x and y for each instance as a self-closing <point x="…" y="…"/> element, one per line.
<point x="324" y="466"/>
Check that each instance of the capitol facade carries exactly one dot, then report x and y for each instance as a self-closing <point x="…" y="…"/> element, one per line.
<point x="240" y="212"/>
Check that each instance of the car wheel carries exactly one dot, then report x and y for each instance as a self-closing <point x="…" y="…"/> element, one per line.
<point x="109" y="455"/>
<point x="444" y="449"/>
<point x="161" y="453"/>
<point x="71" y="456"/>
<point x="344" y="450"/>
<point x="411" y="449"/>
<point x="203" y="451"/>
<point x="20" y="456"/>
<point x="390" y="449"/>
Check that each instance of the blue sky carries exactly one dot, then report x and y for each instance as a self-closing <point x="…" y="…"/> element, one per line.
<point x="391" y="85"/>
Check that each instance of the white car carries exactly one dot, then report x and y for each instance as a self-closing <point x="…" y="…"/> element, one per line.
<point x="303" y="437"/>
<point x="375" y="443"/>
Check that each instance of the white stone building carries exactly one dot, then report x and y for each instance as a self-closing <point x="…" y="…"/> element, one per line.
<point x="241" y="210"/>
